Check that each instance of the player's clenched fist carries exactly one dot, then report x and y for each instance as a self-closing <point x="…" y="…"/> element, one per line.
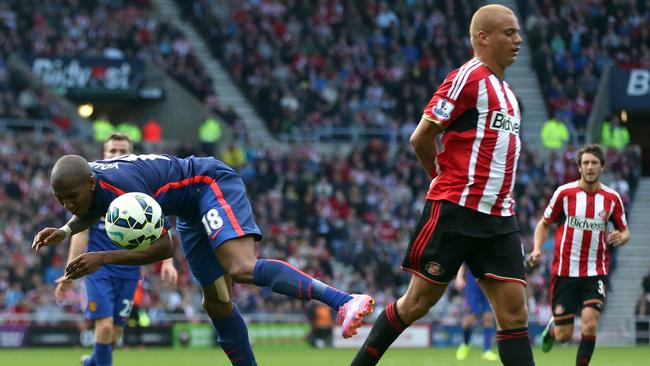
<point x="617" y="238"/>
<point x="48" y="236"/>
<point x="534" y="257"/>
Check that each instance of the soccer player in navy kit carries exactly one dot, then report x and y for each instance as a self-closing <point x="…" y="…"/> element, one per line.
<point x="109" y="291"/>
<point x="218" y="234"/>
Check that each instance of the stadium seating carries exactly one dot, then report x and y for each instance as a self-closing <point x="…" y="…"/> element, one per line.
<point x="333" y="216"/>
<point x="95" y="29"/>
<point x="17" y="99"/>
<point x="307" y="67"/>
<point x="573" y="42"/>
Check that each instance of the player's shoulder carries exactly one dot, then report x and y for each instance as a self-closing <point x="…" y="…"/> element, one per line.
<point x="568" y="187"/>
<point x="609" y="191"/>
<point x="471" y="70"/>
<point x="463" y="78"/>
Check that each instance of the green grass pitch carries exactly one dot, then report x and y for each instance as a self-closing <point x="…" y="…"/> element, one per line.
<point x="303" y="355"/>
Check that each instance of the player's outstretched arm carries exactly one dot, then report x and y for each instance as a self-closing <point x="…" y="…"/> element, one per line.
<point x="53" y="236"/>
<point x="90" y="262"/>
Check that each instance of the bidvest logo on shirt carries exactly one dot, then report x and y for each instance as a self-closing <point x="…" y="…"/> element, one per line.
<point x="584" y="223"/>
<point x="504" y="122"/>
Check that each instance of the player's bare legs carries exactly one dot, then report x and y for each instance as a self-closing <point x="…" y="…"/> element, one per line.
<point x="508" y="301"/>
<point x="468" y="320"/>
<point x="554" y="332"/>
<point x="420" y="296"/>
<point x="225" y="316"/>
<point x="104" y="330"/>
<point x="590" y="318"/>
<point x="117" y="334"/>
<point x="237" y="256"/>
<point x="218" y="305"/>
<point x="563" y="333"/>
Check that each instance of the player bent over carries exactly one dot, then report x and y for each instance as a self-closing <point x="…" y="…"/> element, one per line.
<point x="109" y="291"/>
<point x="217" y="230"/>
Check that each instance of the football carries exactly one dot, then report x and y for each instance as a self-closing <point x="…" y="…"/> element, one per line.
<point x="134" y="220"/>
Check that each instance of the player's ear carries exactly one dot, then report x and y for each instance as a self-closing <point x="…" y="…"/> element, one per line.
<point x="482" y="37"/>
<point x="92" y="183"/>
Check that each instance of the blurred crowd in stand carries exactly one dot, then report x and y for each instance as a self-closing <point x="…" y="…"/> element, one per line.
<point x="344" y="218"/>
<point x="307" y="66"/>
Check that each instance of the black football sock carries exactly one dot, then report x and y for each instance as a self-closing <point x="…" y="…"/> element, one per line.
<point x="514" y="347"/>
<point x="585" y="350"/>
<point x="385" y="331"/>
<point x="467" y="334"/>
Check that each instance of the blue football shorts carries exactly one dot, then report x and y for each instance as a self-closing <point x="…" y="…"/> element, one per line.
<point x="108" y="296"/>
<point x="225" y="214"/>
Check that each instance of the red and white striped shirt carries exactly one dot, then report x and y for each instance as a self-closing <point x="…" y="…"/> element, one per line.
<point x="580" y="243"/>
<point x="480" y="117"/>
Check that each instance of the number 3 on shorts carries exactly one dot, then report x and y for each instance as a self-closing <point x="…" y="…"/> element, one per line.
<point x="601" y="288"/>
<point x="212" y="221"/>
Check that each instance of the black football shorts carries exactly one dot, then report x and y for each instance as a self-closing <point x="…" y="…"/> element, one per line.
<point x="448" y="235"/>
<point x="571" y="294"/>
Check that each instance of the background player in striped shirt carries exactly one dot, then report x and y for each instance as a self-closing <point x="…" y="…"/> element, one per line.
<point x="581" y="259"/>
<point x="109" y="291"/>
<point x="469" y="214"/>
